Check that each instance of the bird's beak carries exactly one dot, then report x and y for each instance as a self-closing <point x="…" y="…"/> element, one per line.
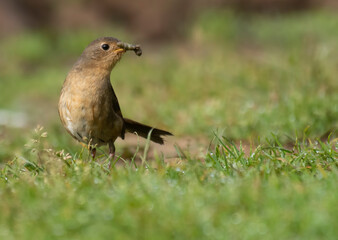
<point x="120" y="50"/>
<point x="128" y="46"/>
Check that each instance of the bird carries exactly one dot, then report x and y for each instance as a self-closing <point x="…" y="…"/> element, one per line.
<point x="88" y="106"/>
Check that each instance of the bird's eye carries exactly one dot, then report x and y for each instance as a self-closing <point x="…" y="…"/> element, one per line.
<point x="105" y="47"/>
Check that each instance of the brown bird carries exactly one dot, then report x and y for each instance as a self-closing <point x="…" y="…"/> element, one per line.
<point x="88" y="106"/>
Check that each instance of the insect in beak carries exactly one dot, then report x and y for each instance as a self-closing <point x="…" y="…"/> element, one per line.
<point x="127" y="46"/>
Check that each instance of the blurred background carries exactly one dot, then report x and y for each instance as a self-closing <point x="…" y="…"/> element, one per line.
<point x="247" y="68"/>
<point x="152" y="20"/>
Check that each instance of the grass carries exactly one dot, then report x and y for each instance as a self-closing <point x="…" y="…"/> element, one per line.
<point x="263" y="88"/>
<point x="273" y="192"/>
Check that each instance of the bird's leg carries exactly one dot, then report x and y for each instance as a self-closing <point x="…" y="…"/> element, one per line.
<point x="111" y="150"/>
<point x="111" y="153"/>
<point x="92" y="152"/>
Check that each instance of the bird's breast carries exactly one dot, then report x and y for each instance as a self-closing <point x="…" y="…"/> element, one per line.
<point x="87" y="113"/>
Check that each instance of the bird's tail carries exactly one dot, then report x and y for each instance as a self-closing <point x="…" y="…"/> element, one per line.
<point x="143" y="130"/>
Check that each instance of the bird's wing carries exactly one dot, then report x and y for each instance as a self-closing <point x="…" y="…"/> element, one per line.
<point x="117" y="110"/>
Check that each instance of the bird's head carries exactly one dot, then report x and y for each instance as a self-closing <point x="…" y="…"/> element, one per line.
<point x="105" y="52"/>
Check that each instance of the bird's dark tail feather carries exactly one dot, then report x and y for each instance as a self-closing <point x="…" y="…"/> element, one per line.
<point x="143" y="130"/>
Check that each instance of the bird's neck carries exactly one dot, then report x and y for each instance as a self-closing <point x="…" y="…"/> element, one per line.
<point x="88" y="79"/>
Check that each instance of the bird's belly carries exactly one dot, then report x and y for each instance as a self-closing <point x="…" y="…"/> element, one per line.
<point x="91" y="122"/>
